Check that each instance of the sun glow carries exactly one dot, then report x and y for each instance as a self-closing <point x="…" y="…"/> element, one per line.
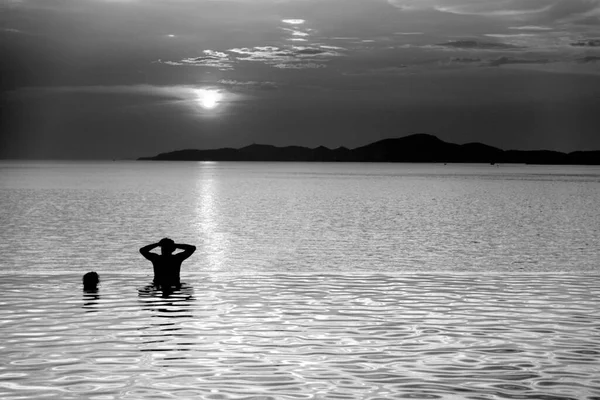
<point x="208" y="98"/>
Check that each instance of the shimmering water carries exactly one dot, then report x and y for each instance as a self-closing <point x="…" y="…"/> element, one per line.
<point x="274" y="217"/>
<point x="311" y="281"/>
<point x="280" y="336"/>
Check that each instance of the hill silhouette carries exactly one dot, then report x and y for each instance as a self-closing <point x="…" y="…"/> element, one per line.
<point x="416" y="148"/>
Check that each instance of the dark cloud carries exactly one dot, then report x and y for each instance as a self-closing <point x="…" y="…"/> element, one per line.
<point x="510" y="60"/>
<point x="589" y="59"/>
<point x="477" y="44"/>
<point x="505" y="60"/>
<point x="310" y="51"/>
<point x="586" y="43"/>
<point x="496" y="62"/>
<point x="592" y="21"/>
<point x="465" y="60"/>
<point x="392" y="70"/>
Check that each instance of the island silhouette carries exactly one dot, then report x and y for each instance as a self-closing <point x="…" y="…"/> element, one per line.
<point x="417" y="148"/>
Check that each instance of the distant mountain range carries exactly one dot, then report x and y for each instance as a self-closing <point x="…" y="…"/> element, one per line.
<point x="416" y="148"/>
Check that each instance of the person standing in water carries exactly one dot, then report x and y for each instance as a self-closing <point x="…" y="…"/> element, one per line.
<point x="166" y="264"/>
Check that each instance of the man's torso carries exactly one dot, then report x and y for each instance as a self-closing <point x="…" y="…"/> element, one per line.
<point x="166" y="269"/>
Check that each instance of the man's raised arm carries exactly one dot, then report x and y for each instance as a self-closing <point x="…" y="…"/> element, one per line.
<point x="188" y="250"/>
<point x="146" y="250"/>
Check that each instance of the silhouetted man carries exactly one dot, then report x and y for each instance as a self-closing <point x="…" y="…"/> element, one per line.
<point x="167" y="265"/>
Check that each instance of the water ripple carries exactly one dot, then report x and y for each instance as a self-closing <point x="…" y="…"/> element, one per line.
<point x="418" y="336"/>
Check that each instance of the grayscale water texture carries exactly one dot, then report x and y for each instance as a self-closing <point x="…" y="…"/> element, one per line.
<point x="311" y="281"/>
<point x="310" y="217"/>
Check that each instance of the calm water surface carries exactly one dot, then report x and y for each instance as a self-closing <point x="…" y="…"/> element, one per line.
<point x="274" y="217"/>
<point x="311" y="281"/>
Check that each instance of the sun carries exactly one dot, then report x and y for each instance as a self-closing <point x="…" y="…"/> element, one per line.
<point x="208" y="98"/>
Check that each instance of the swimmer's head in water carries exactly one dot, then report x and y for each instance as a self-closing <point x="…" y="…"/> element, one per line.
<point x="167" y="246"/>
<point x="90" y="281"/>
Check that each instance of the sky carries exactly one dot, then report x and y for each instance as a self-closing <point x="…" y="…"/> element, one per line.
<point x="120" y="79"/>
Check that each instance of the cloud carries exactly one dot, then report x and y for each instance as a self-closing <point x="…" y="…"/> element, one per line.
<point x="211" y="59"/>
<point x="550" y="10"/>
<point x="293" y="21"/>
<point x="296" y="32"/>
<point x="545" y="41"/>
<point x="498" y="8"/>
<point x="510" y="60"/>
<point x="592" y="21"/>
<point x="558" y="42"/>
<point x="554" y="65"/>
<point x="589" y="59"/>
<point x="11" y="30"/>
<point x="383" y="71"/>
<point x="292" y="56"/>
<point x="464" y="60"/>
<point x="531" y="28"/>
<point x="217" y="55"/>
<point x="477" y="44"/>
<point x="310" y="51"/>
<point x="310" y="65"/>
<point x="509" y="35"/>
<point x="323" y="46"/>
<point x="15" y="31"/>
<point x="487" y="11"/>
<point x="175" y="92"/>
<point x="574" y="9"/>
<point x="495" y="62"/>
<point x="586" y="43"/>
<point x="266" y="85"/>
<point x="187" y="96"/>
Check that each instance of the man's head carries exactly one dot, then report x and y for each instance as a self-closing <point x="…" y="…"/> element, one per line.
<point x="167" y="246"/>
<point x="90" y="281"/>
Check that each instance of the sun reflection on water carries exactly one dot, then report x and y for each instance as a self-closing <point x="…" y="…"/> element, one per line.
<point x="214" y="243"/>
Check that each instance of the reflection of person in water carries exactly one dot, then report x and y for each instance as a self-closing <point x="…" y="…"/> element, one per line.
<point x="167" y="265"/>
<point x="90" y="301"/>
<point x="90" y="291"/>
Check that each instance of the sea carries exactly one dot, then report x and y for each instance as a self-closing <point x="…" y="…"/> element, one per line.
<point x="310" y="281"/>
